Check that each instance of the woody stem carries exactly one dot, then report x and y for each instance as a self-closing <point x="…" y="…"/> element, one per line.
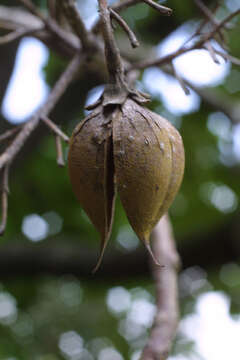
<point x="112" y="54"/>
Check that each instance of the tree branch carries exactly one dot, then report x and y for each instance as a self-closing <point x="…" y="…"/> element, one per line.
<point x="227" y="57"/>
<point x="209" y="16"/>
<point x="162" y="9"/>
<point x="10" y="133"/>
<point x="19" y="33"/>
<point x="58" y="90"/>
<point x="164" y="328"/>
<point x="55" y="128"/>
<point x="221" y="102"/>
<point x="75" y="20"/>
<point x="50" y="24"/>
<point x="231" y="108"/>
<point x="15" y="19"/>
<point x="182" y="50"/>
<point x="132" y="37"/>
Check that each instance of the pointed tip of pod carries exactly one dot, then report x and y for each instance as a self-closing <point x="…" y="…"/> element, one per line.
<point x="149" y="249"/>
<point x="102" y="251"/>
<point x="95" y="269"/>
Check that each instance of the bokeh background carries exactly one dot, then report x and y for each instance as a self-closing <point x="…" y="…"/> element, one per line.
<point x="51" y="307"/>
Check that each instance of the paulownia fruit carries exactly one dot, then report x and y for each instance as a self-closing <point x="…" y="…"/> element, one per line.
<point x="132" y="150"/>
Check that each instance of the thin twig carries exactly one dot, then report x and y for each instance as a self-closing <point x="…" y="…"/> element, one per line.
<point x="33" y="9"/>
<point x="8" y="134"/>
<point x="197" y="45"/>
<point x="75" y="20"/>
<point x="55" y="128"/>
<point x="119" y="6"/>
<point x="51" y="24"/>
<point x="160" y="61"/>
<point x="19" y="33"/>
<point x="59" y="149"/>
<point x="132" y="37"/>
<point x="15" y="18"/>
<point x="209" y="16"/>
<point x="212" y="52"/>
<point x="180" y="80"/>
<point x="4" y="200"/>
<point x="165" y="324"/>
<point x="162" y="9"/>
<point x="228" y="57"/>
<point x="201" y="26"/>
<point x="217" y="101"/>
<point x="226" y="20"/>
<point x="57" y="91"/>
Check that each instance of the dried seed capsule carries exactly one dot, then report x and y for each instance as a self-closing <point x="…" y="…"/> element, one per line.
<point x="142" y="151"/>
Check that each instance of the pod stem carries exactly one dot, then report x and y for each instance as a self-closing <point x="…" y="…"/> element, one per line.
<point x="117" y="90"/>
<point x="112" y="53"/>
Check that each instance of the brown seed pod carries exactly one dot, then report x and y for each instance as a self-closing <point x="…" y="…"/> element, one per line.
<point x="140" y="151"/>
<point x="149" y="165"/>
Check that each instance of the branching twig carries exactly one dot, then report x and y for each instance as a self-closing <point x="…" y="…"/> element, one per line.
<point x="209" y="16"/>
<point x="212" y="52"/>
<point x="50" y="24"/>
<point x="10" y="133"/>
<point x="163" y="331"/>
<point x="55" y="129"/>
<point x="201" y="25"/>
<point x="132" y="37"/>
<point x="119" y="6"/>
<point x="58" y="90"/>
<point x="162" y="9"/>
<point x="182" y="50"/>
<point x="14" y="19"/>
<point x="75" y="20"/>
<point x="180" y="80"/>
<point x="4" y="199"/>
<point x="218" y="101"/>
<point x="122" y="5"/>
<point x="33" y="9"/>
<point x="227" y="56"/>
<point x="19" y="33"/>
<point x="220" y="34"/>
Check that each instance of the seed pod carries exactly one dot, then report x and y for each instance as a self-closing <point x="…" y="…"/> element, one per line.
<point x="140" y="151"/>
<point x="149" y="165"/>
